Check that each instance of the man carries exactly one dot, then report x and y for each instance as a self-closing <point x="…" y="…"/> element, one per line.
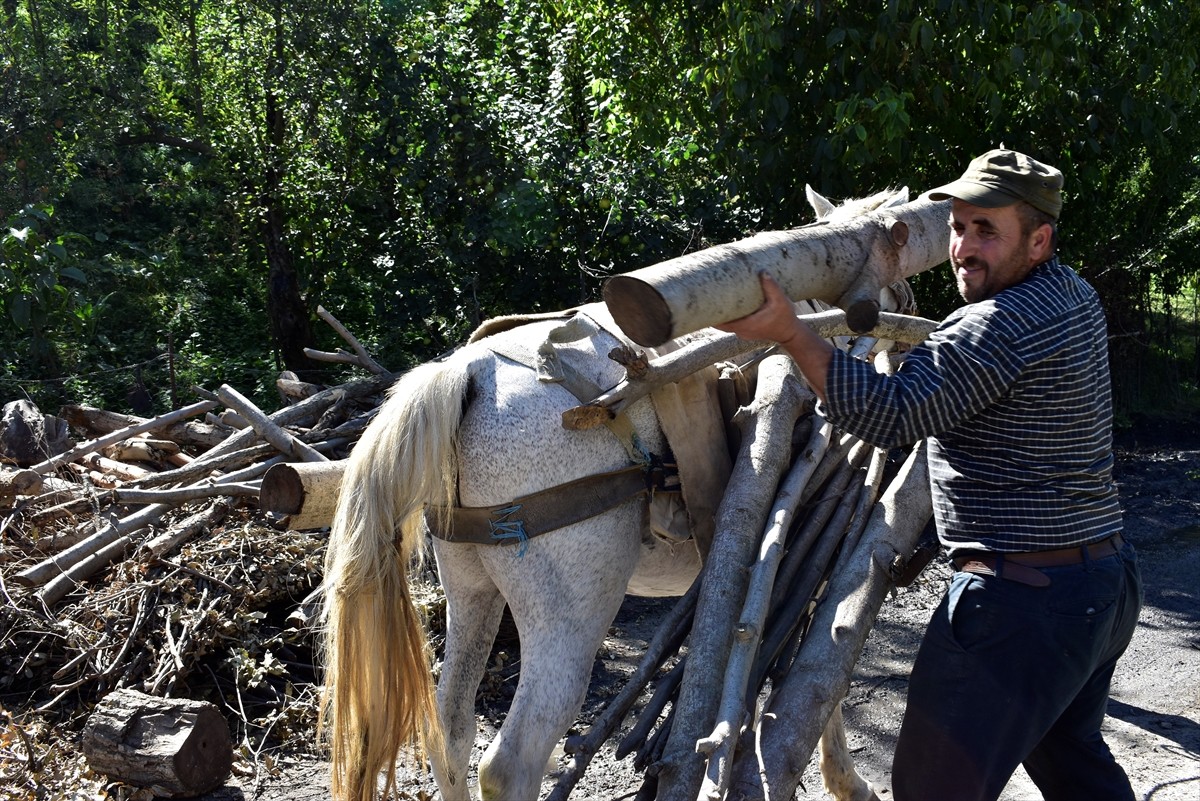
<point x="1011" y="395"/>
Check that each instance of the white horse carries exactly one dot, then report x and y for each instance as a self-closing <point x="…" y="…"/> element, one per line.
<point x="478" y="430"/>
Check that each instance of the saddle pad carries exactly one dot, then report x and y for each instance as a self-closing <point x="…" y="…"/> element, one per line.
<point x="688" y="411"/>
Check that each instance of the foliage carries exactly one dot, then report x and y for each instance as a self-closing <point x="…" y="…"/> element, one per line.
<point x="207" y="173"/>
<point x="40" y="284"/>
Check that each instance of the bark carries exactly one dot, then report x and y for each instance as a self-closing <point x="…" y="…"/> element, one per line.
<point x="306" y="492"/>
<point x="797" y="712"/>
<point x="116" y="436"/>
<point x="170" y="746"/>
<point x="763" y="458"/>
<point x="846" y="263"/>
<point x="291" y="323"/>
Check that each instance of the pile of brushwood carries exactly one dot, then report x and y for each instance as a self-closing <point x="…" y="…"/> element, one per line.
<point x="133" y="553"/>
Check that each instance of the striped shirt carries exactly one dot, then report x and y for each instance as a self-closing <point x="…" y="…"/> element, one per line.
<point x="1012" y="396"/>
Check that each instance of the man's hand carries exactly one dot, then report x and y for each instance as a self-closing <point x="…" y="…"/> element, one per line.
<point x="776" y="320"/>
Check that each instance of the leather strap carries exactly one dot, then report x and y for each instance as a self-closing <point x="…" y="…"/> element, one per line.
<point x="987" y="566"/>
<point x="537" y="513"/>
<point x="1023" y="567"/>
<point x="1068" y="556"/>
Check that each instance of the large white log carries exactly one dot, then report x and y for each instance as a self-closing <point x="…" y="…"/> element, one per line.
<point x="844" y="263"/>
<point x="307" y="492"/>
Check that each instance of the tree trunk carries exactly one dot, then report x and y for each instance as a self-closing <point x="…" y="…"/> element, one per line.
<point x="308" y="492"/>
<point x="291" y="323"/>
<point x="171" y="746"/>
<point x="845" y="263"/>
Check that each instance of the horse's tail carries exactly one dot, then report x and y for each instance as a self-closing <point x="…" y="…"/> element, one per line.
<point x="379" y="696"/>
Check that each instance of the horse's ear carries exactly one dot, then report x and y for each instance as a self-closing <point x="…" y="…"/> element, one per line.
<point x="820" y="205"/>
<point x="898" y="199"/>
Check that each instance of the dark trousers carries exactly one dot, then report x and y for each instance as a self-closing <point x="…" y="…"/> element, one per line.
<point x="1010" y="674"/>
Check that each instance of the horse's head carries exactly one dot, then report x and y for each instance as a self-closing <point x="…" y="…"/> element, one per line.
<point x="827" y="211"/>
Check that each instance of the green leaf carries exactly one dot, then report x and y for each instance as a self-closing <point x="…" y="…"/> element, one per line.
<point x="21" y="310"/>
<point x="74" y="273"/>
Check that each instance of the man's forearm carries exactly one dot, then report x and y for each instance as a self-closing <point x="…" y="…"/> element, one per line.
<point x="812" y="355"/>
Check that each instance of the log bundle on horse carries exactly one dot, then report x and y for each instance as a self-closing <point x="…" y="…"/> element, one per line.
<point x="482" y="431"/>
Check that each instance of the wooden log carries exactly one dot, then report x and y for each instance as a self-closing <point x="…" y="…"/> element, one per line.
<point x="170" y="746"/>
<point x="309" y="408"/>
<point x="270" y="431"/>
<point x="114" y="467"/>
<point x="142" y="449"/>
<point x="748" y="632"/>
<point x="799" y="708"/>
<point x="780" y="400"/>
<point x="18" y="482"/>
<point x="188" y="528"/>
<point x="292" y="389"/>
<point x="117" y="436"/>
<point x="306" y="491"/>
<point x="719" y="346"/>
<point x="102" y="421"/>
<point x="844" y="263"/>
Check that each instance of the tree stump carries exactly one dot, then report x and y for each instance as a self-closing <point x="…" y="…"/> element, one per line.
<point x="171" y="746"/>
<point x="27" y="436"/>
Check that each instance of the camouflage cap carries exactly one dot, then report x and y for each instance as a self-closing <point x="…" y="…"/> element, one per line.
<point x="1002" y="177"/>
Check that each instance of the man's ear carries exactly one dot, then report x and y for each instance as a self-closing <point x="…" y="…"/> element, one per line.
<point x="1041" y="243"/>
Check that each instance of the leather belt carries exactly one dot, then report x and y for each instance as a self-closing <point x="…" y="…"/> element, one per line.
<point x="1023" y="566"/>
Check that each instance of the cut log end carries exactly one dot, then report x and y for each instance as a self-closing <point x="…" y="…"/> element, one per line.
<point x="862" y="316"/>
<point x="282" y="490"/>
<point x="307" y="491"/>
<point x="172" y="746"/>
<point x="639" y="309"/>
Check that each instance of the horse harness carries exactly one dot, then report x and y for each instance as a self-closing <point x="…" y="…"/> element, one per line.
<point x="552" y="508"/>
<point x="563" y="504"/>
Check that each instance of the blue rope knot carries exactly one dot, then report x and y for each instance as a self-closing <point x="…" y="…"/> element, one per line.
<point x="502" y="528"/>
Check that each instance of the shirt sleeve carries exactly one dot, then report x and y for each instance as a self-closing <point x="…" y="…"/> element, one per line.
<point x="967" y="364"/>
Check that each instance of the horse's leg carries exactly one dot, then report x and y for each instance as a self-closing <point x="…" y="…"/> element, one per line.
<point x="474" y="607"/>
<point x="563" y="599"/>
<point x="837" y="766"/>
